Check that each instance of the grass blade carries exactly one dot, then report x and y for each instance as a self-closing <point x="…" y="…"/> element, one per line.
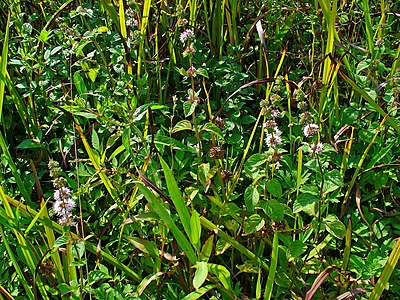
<point x="176" y="197"/>
<point x="3" y="65"/>
<point x="235" y="244"/>
<point x="200" y="292"/>
<point x="165" y="216"/>
<point x="272" y="267"/>
<point x="96" y="163"/>
<point x="143" y="30"/>
<point x="386" y="272"/>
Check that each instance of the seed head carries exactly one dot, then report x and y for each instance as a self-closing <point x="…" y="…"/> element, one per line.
<point x="216" y="152"/>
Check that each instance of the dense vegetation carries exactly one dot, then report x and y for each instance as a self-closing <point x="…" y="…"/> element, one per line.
<point x="194" y="149"/>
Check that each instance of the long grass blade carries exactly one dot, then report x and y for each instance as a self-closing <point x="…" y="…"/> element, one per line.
<point x="272" y="267"/>
<point x="95" y="160"/>
<point x="235" y="244"/>
<point x="176" y="197"/>
<point x="143" y="31"/>
<point x="3" y="65"/>
<point x="386" y="272"/>
<point x="165" y="216"/>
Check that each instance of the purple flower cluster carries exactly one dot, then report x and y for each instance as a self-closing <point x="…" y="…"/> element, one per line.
<point x="63" y="204"/>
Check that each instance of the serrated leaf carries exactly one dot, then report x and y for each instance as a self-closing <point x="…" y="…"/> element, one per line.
<point x="251" y="198"/>
<point x="95" y="140"/>
<point x="189" y="107"/>
<point x="274" y="187"/>
<point x="80" y="85"/>
<point x="182" y="125"/>
<point x="200" y="275"/>
<point x="252" y="164"/>
<point x="302" y="201"/>
<point x="274" y="210"/>
<point x="334" y="226"/>
<point x="195" y="230"/>
<point x="211" y="127"/>
<point x="97" y="275"/>
<point x="295" y="249"/>
<point x="29" y="144"/>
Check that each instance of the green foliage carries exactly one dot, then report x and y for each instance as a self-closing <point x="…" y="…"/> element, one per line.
<point x="199" y="149"/>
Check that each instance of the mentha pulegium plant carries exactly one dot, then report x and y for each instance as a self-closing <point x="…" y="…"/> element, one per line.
<point x="63" y="204"/>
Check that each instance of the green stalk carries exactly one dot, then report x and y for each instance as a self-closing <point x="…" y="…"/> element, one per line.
<point x="368" y="27"/>
<point x="272" y="267"/>
<point x="3" y="65"/>
<point x="193" y="13"/>
<point x="143" y="31"/>
<point x="386" y="272"/>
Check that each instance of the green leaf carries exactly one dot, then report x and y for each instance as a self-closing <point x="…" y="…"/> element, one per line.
<point x="29" y="144"/>
<point x="195" y="230"/>
<point x="61" y="241"/>
<point x="247" y="119"/>
<point x="251" y="198"/>
<point x="333" y="181"/>
<point x="145" y="246"/>
<point x="207" y="249"/>
<point x="274" y="187"/>
<point x="95" y="140"/>
<point x="44" y="35"/>
<point x="222" y="273"/>
<point x="189" y="107"/>
<point x="93" y="74"/>
<point x="102" y="29"/>
<point x="295" y="249"/>
<point x="253" y="224"/>
<point x="202" y="72"/>
<point x="200" y="274"/>
<point x="80" y="85"/>
<point x="211" y="127"/>
<point x="252" y="164"/>
<point x="176" y="196"/>
<point x="334" y="226"/>
<point x="3" y="65"/>
<point x="274" y="210"/>
<point x="169" y="222"/>
<point x="198" y="293"/>
<point x="97" y="275"/>
<point x="302" y="201"/>
<point x="272" y="267"/>
<point x="182" y="125"/>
